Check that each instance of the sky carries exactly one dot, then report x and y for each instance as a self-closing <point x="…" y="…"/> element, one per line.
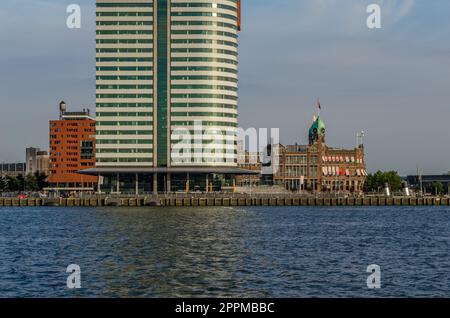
<point x="392" y="82"/>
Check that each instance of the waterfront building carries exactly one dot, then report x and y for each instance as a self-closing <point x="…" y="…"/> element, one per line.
<point x="251" y="162"/>
<point x="166" y="94"/>
<point x="315" y="167"/>
<point x="72" y="148"/>
<point x="248" y="160"/>
<point x="12" y="170"/>
<point x="427" y="183"/>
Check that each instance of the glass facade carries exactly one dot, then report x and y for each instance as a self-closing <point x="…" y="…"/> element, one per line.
<point x="164" y="66"/>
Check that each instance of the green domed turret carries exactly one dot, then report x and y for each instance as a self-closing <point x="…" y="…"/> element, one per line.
<point x="317" y="131"/>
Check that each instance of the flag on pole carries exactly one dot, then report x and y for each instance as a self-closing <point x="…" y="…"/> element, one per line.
<point x="319" y="107"/>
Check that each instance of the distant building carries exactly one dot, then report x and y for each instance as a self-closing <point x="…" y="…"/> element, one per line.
<point x="42" y="162"/>
<point x="428" y="182"/>
<point x="315" y="167"/>
<point x="250" y="162"/>
<point x="37" y="161"/>
<point x="12" y="170"/>
<point x="31" y="160"/>
<point x="72" y="148"/>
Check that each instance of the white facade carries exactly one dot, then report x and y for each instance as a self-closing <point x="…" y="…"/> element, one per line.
<point x="154" y="84"/>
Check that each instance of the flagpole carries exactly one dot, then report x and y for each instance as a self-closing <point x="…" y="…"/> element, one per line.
<point x="318" y="107"/>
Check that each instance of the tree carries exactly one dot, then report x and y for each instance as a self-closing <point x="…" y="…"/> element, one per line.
<point x="375" y="182"/>
<point x="3" y="185"/>
<point x="437" y="188"/>
<point x="20" y="183"/>
<point x="12" y="184"/>
<point x="41" y="180"/>
<point x="36" y="182"/>
<point x="31" y="183"/>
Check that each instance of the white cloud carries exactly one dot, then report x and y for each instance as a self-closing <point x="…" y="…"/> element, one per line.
<point x="395" y="10"/>
<point x="349" y="16"/>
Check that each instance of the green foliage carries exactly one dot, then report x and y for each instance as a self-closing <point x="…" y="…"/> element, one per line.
<point x="437" y="188"/>
<point x="41" y="180"/>
<point x="3" y="184"/>
<point x="35" y="182"/>
<point x="20" y="183"/>
<point x="14" y="184"/>
<point x="31" y="183"/>
<point x="375" y="182"/>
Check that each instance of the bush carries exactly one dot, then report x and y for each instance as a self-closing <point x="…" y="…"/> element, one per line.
<point x="375" y="182"/>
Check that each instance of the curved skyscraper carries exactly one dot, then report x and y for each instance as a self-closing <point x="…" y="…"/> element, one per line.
<point x="167" y="85"/>
<point x="204" y="74"/>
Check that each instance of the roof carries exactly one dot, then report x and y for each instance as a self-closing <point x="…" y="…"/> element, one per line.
<point x="317" y="127"/>
<point x="429" y="178"/>
<point x="218" y="170"/>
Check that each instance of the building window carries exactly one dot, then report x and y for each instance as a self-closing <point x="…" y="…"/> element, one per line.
<point x="87" y="150"/>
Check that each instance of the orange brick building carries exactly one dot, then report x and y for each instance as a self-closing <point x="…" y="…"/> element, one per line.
<point x="72" y="148"/>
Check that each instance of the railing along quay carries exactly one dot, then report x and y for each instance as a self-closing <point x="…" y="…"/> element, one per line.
<point x="209" y="200"/>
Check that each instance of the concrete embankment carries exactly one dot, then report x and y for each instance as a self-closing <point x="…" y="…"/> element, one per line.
<point x="237" y="200"/>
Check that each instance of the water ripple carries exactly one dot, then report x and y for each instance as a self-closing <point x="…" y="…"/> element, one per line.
<point x="225" y="252"/>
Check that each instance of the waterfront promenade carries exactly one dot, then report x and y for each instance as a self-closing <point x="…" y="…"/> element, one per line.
<point x="208" y="200"/>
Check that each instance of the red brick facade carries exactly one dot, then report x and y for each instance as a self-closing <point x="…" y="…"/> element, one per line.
<point x="72" y="148"/>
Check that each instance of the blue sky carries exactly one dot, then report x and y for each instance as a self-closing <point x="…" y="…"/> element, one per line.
<point x="394" y="82"/>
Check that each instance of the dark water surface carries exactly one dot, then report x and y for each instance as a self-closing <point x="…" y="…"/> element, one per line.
<point x="226" y="252"/>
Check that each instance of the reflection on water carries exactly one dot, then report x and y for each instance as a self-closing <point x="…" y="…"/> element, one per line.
<point x="224" y="252"/>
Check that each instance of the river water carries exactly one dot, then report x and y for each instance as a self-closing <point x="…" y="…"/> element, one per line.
<point x="225" y="252"/>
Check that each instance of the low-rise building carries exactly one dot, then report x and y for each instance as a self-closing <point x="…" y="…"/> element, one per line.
<point x="37" y="161"/>
<point x="12" y="170"/>
<point x="427" y="183"/>
<point x="249" y="161"/>
<point x="72" y="148"/>
<point x="315" y="167"/>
